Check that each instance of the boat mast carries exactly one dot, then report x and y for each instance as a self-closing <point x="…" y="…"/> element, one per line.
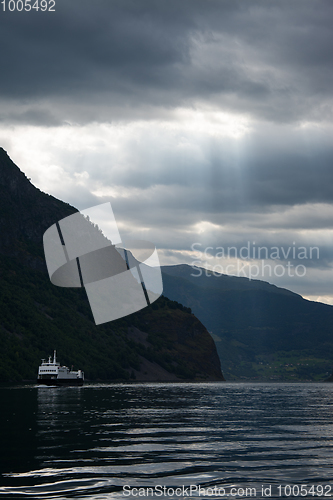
<point x="54" y="357"/>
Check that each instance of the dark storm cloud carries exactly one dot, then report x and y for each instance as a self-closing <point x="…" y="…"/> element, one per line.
<point x="34" y="115"/>
<point x="105" y="60"/>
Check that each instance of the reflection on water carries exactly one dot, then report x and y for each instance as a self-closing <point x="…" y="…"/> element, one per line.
<point x="88" y="442"/>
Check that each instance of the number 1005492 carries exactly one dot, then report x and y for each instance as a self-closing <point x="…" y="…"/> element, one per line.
<point x="28" y="5"/>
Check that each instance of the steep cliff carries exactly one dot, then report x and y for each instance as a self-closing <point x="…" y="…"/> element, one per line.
<point x="161" y="342"/>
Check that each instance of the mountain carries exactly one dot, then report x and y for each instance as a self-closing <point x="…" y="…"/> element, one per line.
<point x="262" y="332"/>
<point x="164" y="341"/>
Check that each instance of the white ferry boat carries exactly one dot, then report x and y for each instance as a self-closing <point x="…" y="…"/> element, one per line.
<point x="51" y="373"/>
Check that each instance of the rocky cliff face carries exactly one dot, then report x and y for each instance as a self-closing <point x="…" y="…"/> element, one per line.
<point x="161" y="342"/>
<point x="177" y="337"/>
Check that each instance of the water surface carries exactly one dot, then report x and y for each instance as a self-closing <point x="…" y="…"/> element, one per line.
<point x="92" y="441"/>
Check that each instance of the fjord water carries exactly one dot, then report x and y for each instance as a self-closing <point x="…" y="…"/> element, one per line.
<point x="91" y="441"/>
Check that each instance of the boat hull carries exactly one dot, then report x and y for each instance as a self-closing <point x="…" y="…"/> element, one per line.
<point x="60" y="382"/>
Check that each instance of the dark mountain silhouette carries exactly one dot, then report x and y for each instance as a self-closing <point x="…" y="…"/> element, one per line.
<point x="161" y="342"/>
<point x="261" y="331"/>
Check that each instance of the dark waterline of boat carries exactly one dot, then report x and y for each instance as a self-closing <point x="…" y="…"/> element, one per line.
<point x="94" y="441"/>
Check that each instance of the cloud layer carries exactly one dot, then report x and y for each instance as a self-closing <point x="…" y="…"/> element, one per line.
<point x="119" y="59"/>
<point x="202" y="121"/>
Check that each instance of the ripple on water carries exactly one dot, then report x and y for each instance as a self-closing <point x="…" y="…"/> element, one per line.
<point x="92" y="441"/>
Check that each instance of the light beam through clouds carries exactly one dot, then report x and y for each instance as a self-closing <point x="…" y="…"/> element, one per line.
<point x="209" y="121"/>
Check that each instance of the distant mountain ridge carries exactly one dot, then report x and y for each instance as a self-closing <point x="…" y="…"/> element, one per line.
<point x="204" y="278"/>
<point x="262" y="332"/>
<point x="162" y="342"/>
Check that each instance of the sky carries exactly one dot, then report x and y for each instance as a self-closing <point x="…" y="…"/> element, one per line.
<point x="207" y="125"/>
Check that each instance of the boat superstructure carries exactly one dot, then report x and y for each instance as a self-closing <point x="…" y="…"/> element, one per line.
<point x="52" y="373"/>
